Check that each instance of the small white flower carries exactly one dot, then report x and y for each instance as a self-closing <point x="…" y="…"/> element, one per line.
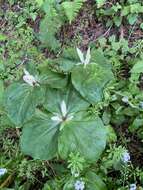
<point x="3" y="171"/>
<point x="125" y="99"/>
<point x="85" y="61"/>
<point x="126" y="157"/>
<point x="133" y="186"/>
<point x="30" y="79"/>
<point x="79" y="185"/>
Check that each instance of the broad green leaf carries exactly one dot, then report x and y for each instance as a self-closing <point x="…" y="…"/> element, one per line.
<point x="40" y="137"/>
<point x="98" y="57"/>
<point x="73" y="100"/>
<point x="91" y="81"/>
<point x="52" y="79"/>
<point x="21" y="101"/>
<point x="94" y="182"/>
<point x="86" y="137"/>
<point x="67" y="60"/>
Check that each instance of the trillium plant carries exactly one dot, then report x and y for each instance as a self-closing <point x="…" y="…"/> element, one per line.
<point x="51" y="104"/>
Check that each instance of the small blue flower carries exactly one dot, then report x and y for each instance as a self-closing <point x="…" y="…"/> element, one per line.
<point x="3" y="171"/>
<point x="126" y="157"/>
<point x="79" y="185"/>
<point x="133" y="186"/>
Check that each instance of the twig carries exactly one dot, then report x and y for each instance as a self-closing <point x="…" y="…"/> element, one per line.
<point x="7" y="182"/>
<point x="104" y="33"/>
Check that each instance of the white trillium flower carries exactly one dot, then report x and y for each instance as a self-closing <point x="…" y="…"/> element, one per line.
<point x="85" y="61"/>
<point x="79" y="185"/>
<point x="3" y="171"/>
<point x="64" y="116"/>
<point x="126" y="157"/>
<point x="30" y="79"/>
<point x="133" y="187"/>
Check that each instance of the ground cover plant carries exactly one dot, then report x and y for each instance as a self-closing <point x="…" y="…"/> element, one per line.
<point x="71" y="95"/>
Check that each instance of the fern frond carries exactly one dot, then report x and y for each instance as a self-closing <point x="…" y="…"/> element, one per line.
<point x="54" y="19"/>
<point x="48" y="29"/>
<point x="50" y="25"/>
<point x="71" y="8"/>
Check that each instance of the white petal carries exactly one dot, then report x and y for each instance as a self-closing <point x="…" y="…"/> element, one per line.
<point x="80" y="54"/>
<point x="26" y="72"/>
<point x="79" y="63"/>
<point x="63" y="108"/>
<point x="88" y="57"/>
<point x="70" y="117"/>
<point x="56" y="118"/>
<point x="29" y="80"/>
